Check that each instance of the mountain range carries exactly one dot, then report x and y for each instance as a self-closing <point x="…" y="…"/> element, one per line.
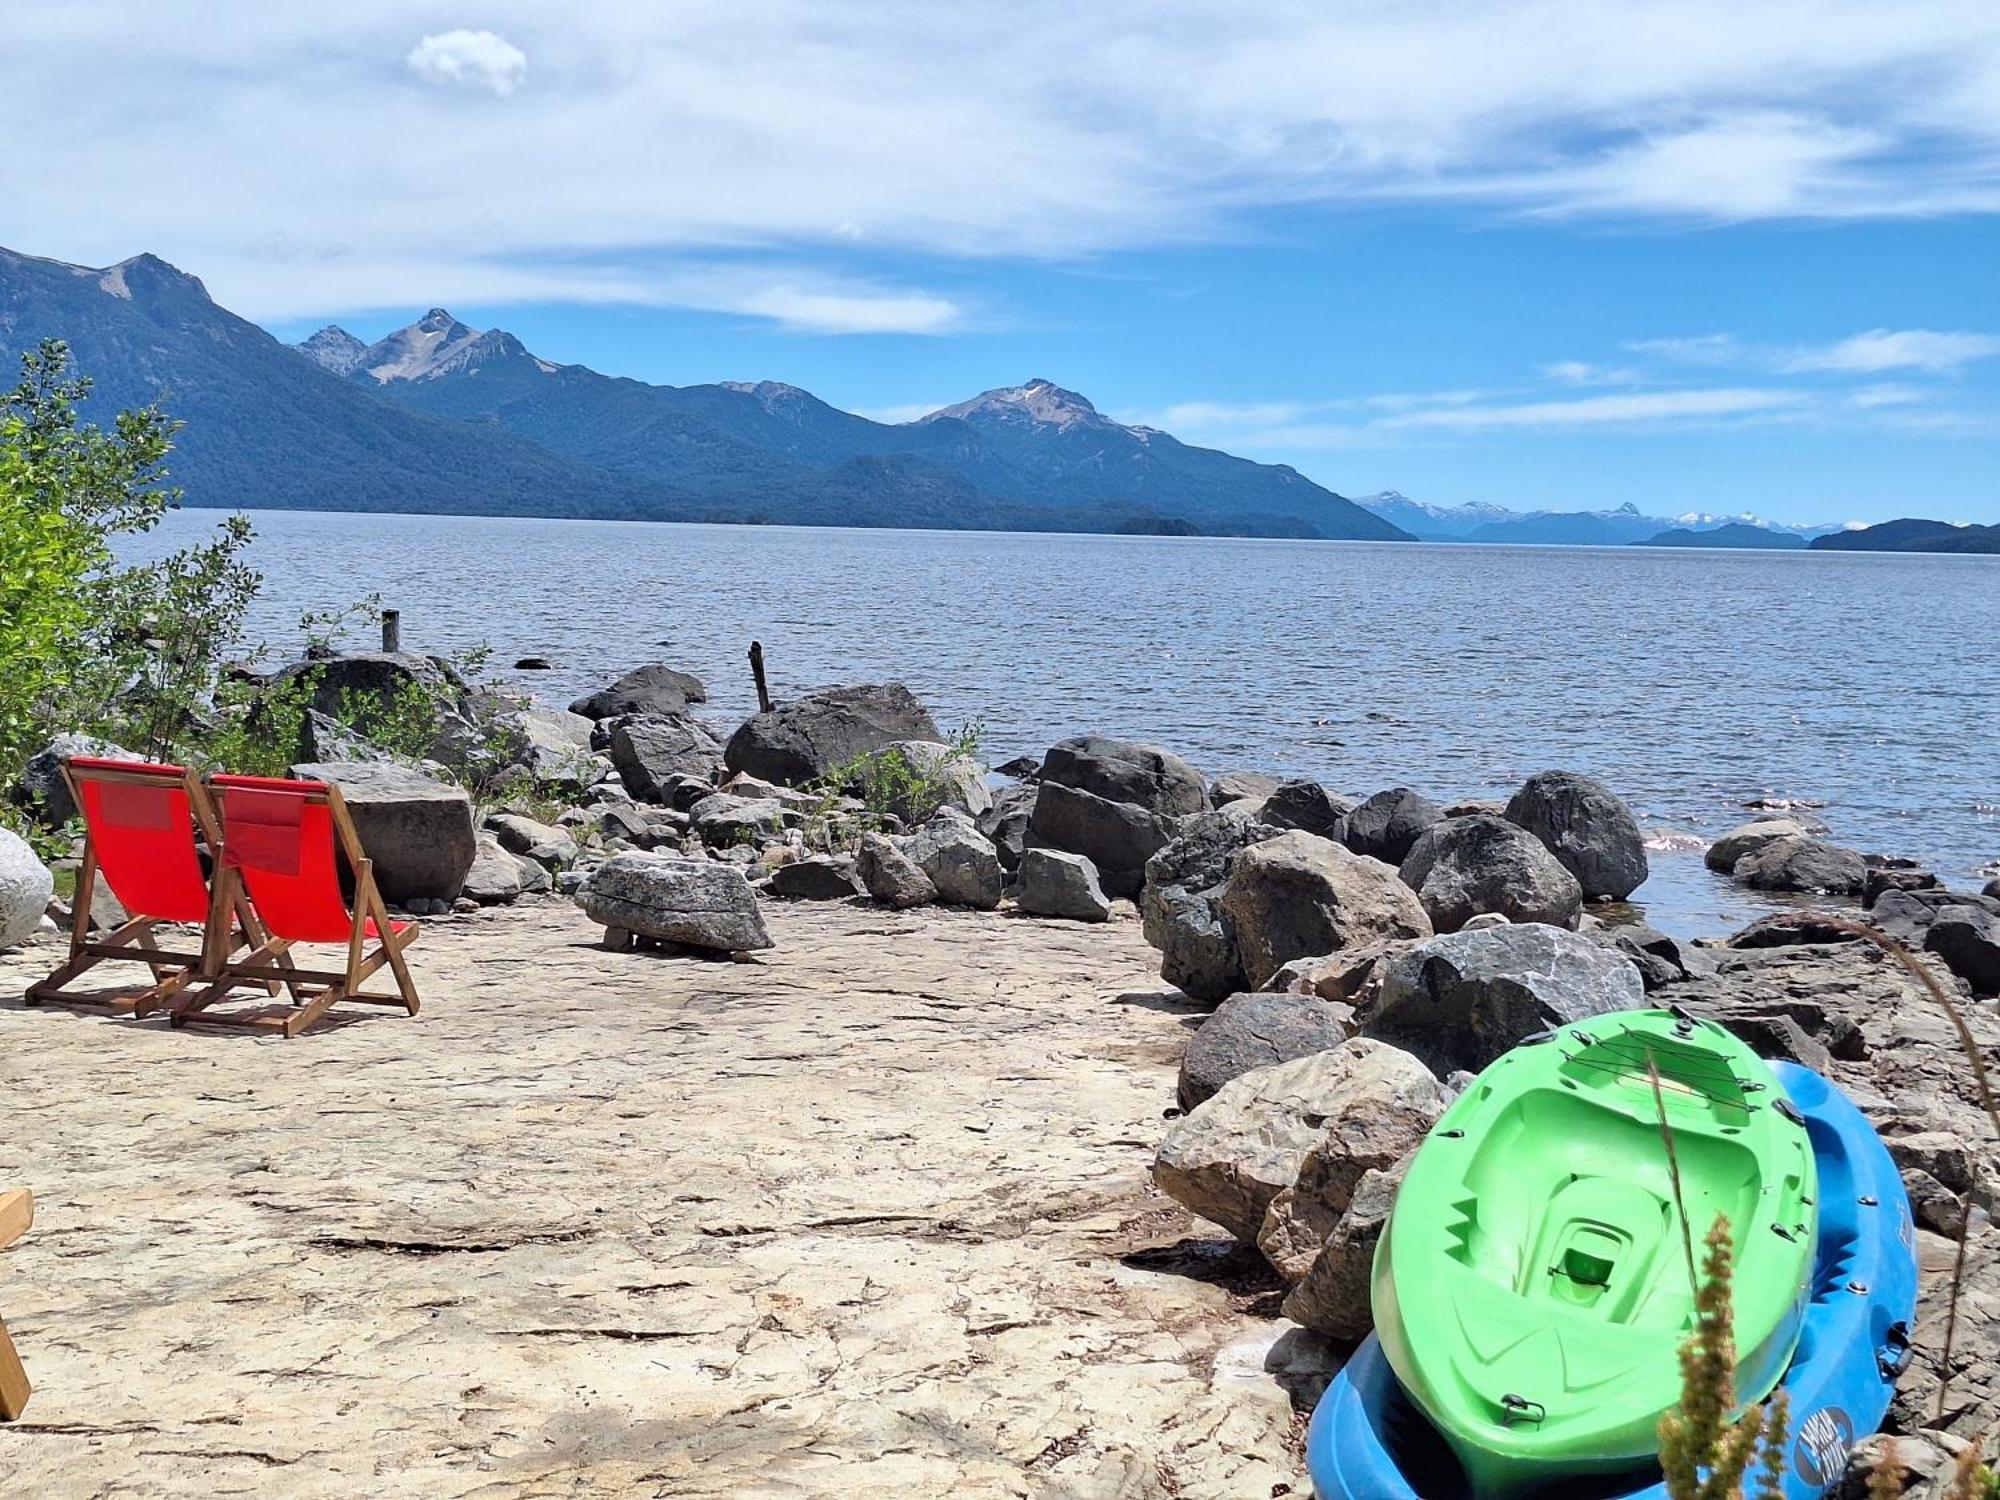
<point x="1597" y="528"/>
<point x="1912" y="535"/>
<point x="440" y="417"/>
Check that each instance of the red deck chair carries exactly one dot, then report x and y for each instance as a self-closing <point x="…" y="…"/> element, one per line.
<point x="139" y="824"/>
<point x="282" y="844"/>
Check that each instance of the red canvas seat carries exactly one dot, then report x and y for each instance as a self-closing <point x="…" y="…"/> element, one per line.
<point x="283" y="845"/>
<point x="140" y="820"/>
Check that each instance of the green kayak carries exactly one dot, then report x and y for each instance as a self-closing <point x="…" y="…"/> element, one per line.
<point x="1532" y="1290"/>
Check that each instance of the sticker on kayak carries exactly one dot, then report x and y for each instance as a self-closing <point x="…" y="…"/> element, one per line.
<point x="1819" y="1453"/>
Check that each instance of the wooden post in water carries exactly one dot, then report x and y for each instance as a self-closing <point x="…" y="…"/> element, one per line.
<point x="757" y="672"/>
<point x="392" y="630"/>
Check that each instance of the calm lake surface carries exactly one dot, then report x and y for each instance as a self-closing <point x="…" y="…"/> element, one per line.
<point x="1691" y="682"/>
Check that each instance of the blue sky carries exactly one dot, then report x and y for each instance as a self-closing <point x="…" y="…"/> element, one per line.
<point x="1565" y="253"/>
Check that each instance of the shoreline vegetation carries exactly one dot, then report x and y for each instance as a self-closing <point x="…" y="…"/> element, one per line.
<point x="1333" y="958"/>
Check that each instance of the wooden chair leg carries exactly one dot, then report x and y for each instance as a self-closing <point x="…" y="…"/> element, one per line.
<point x="14" y="1386"/>
<point x="307" y="1014"/>
<point x="17" y="1215"/>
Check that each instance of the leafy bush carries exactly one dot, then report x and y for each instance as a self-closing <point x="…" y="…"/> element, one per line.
<point x="894" y="787"/>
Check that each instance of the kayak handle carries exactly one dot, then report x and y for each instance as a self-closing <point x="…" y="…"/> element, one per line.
<point x="1520" y="1408"/>
<point x="1897" y="1352"/>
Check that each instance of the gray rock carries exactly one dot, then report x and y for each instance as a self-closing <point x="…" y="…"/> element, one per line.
<point x="497" y="876"/>
<point x="1723" y="854"/>
<point x="1241" y="786"/>
<point x="42" y="790"/>
<point x="1117" y="837"/>
<point x="1907" y="915"/>
<point x="817" y="877"/>
<point x="1121" y="771"/>
<point x="547" y="846"/>
<point x="653" y="689"/>
<point x="363" y="689"/>
<point x="1254" y="1031"/>
<point x="26" y="888"/>
<point x="960" y="862"/>
<point x="1461" y="1000"/>
<point x="653" y="752"/>
<point x="1584" y="825"/>
<point x="1803" y="864"/>
<point x="1884" y="877"/>
<point x="722" y="821"/>
<point x="1660" y="959"/>
<point x="890" y="875"/>
<point x="1464" y="866"/>
<point x="1308" y="807"/>
<point x="1005" y="823"/>
<point x="1967" y="938"/>
<point x="1334" y="1297"/>
<point x="1055" y="883"/>
<point x="695" y="903"/>
<point x="1181" y="903"/>
<point x="802" y="740"/>
<point x="1229" y="1158"/>
<point x="417" y="832"/>
<point x="1388" y="824"/>
<point x="552" y="744"/>
<point x="1348" y="977"/>
<point x="1297" y="895"/>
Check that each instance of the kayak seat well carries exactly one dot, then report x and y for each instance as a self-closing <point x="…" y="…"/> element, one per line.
<point x="1571" y="1209"/>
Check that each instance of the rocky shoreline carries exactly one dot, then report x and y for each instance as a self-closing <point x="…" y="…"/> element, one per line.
<point x="1350" y="960"/>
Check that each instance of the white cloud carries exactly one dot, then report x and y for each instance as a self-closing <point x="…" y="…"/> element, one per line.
<point x="1908" y="349"/>
<point x="482" y="59"/>
<point x="807" y="311"/>
<point x="1873" y="397"/>
<point x="789" y="130"/>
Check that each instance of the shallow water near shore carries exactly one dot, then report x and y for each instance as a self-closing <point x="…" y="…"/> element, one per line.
<point x="1691" y="682"/>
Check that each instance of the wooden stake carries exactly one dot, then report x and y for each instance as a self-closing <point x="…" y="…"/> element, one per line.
<point x="392" y="630"/>
<point x="757" y="672"/>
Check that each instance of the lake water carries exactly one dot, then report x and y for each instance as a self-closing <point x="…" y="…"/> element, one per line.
<point x="1691" y="682"/>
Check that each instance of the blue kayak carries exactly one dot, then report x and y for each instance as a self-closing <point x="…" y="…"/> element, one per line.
<point x="1368" y="1440"/>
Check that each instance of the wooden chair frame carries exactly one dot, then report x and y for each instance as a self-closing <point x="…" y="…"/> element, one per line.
<point x="17" y="1214"/>
<point x="135" y="940"/>
<point x="271" y="963"/>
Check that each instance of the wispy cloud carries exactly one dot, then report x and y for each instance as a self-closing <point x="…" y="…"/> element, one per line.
<point x="1638" y="408"/>
<point x="1909" y="349"/>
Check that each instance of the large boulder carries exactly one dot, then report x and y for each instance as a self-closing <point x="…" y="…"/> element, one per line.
<point x="1308" y="807"/>
<point x="42" y="790"/>
<point x="653" y="689"/>
<point x="1055" y="883"/>
<point x="1463" y="867"/>
<point x="1121" y="771"/>
<point x="817" y="877"/>
<point x="371" y="690"/>
<point x="551" y="744"/>
<point x="1803" y="864"/>
<point x="1591" y="833"/>
<point x="417" y="832"/>
<point x="1115" y="802"/>
<point x="1229" y="1158"/>
<point x="1371" y="1132"/>
<point x="1242" y="786"/>
<point x="655" y="751"/>
<point x="959" y="860"/>
<point x="1181" y="904"/>
<point x="952" y="777"/>
<point x="1298" y="895"/>
<point x="26" y="887"/>
<point x="721" y="820"/>
<point x="802" y="740"/>
<point x="697" y="903"/>
<point x="1461" y="1000"/>
<point x="1386" y="825"/>
<point x="1748" y="838"/>
<point x="890" y="875"/>
<point x="545" y="844"/>
<point x="1254" y="1031"/>
<point x="1967" y="938"/>
<point x="1334" y="1297"/>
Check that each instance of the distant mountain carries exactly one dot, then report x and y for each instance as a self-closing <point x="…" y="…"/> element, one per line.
<point x="1596" y="528"/>
<point x="1033" y="455"/>
<point x="1912" y="535"/>
<point x="266" y="428"/>
<point x="440" y="417"/>
<point x="1738" y="534"/>
<point x="1433" y="522"/>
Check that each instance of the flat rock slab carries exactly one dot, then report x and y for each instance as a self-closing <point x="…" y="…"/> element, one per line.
<point x="695" y="902"/>
<point x="869" y="1218"/>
